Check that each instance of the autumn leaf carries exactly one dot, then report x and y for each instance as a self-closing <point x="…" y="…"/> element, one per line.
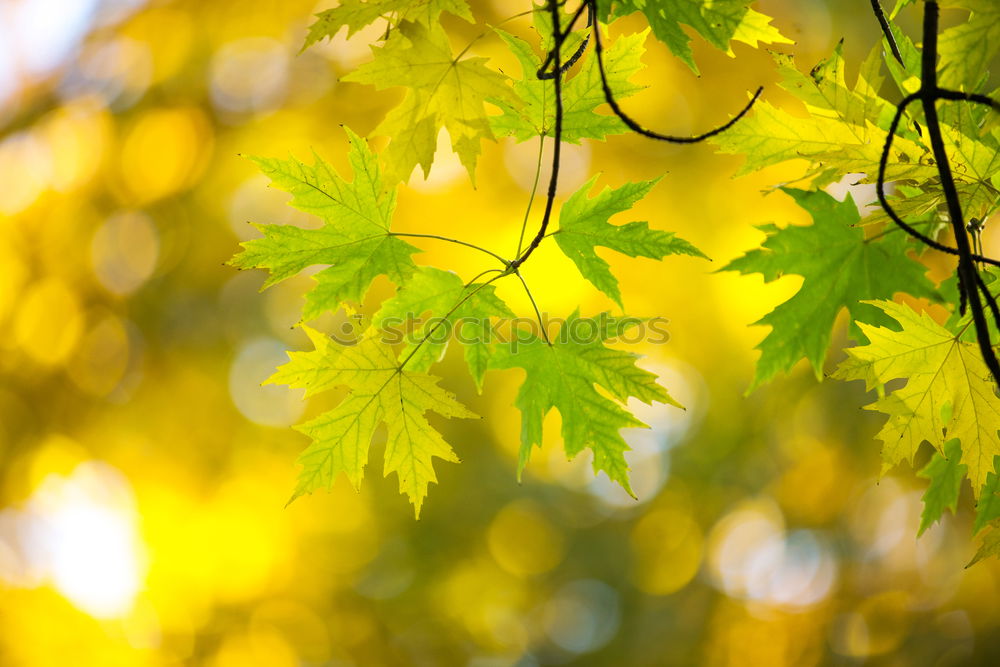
<point x="354" y="239"/>
<point x="358" y="14"/>
<point x="945" y="474"/>
<point x="464" y="311"/>
<point x="840" y="269"/>
<point x="565" y="376"/>
<point x="583" y="226"/>
<point x="380" y="392"/>
<point x="442" y="91"/>
<point x="718" y="21"/>
<point x="949" y="393"/>
<point x="582" y="93"/>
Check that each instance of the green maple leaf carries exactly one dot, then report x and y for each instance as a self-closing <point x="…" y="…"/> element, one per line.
<point x="354" y="239"/>
<point x="357" y="14"/>
<point x="582" y="92"/>
<point x="840" y="270"/>
<point x="565" y="376"/>
<point x="583" y="225"/>
<point x="946" y="475"/>
<point x="967" y="49"/>
<point x="717" y="21"/>
<point x="380" y="392"/>
<point x="988" y="507"/>
<point x="990" y="546"/>
<point x="974" y="155"/>
<point x="465" y="310"/>
<point x="949" y="392"/>
<point x="443" y="91"/>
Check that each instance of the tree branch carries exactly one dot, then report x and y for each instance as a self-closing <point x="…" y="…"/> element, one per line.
<point x="970" y="280"/>
<point x="609" y="97"/>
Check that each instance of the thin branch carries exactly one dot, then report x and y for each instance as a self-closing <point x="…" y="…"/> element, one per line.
<point x="970" y="280"/>
<point x="609" y="97"/>
<point x="889" y="37"/>
<point x="880" y="185"/>
<point x="543" y="72"/>
<point x="558" y="37"/>
<point x="968" y="97"/>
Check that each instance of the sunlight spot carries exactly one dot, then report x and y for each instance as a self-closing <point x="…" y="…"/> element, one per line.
<point x="80" y="532"/>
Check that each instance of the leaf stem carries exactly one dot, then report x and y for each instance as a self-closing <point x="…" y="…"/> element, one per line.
<point x="456" y="241"/>
<point x="531" y="199"/>
<point x="487" y="32"/>
<point x="444" y="319"/>
<point x="538" y="313"/>
<point x="481" y="274"/>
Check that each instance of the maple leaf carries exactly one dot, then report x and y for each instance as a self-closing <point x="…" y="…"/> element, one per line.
<point x="843" y="133"/>
<point x="967" y="48"/>
<point x="380" y="392"/>
<point x="988" y="507"/>
<point x="444" y="91"/>
<point x="354" y="240"/>
<point x="465" y="310"/>
<point x="946" y="475"/>
<point x="948" y="393"/>
<point x="840" y="270"/>
<point x="990" y="546"/>
<point x="717" y="21"/>
<point x="582" y="93"/>
<point x="357" y="14"/>
<point x="563" y="376"/>
<point x="583" y="225"/>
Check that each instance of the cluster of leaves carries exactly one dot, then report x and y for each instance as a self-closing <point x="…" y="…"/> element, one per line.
<point x="586" y="381"/>
<point x="949" y="398"/>
<point x="846" y="261"/>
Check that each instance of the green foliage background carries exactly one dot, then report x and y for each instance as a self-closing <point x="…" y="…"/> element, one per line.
<point x="759" y="535"/>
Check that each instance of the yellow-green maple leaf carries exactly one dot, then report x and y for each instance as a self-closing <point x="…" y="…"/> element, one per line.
<point x="843" y="133"/>
<point x="582" y="93"/>
<point x="454" y="310"/>
<point x="718" y="21"/>
<point x="967" y="48"/>
<point x="357" y="14"/>
<point x="354" y="240"/>
<point x="948" y="393"/>
<point x="443" y="91"/>
<point x="380" y="392"/>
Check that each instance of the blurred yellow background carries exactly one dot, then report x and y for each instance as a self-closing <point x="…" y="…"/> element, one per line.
<point x="145" y="470"/>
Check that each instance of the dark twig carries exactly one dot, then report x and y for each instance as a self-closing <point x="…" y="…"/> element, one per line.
<point x="968" y="97"/>
<point x="609" y="97"/>
<point x="970" y="280"/>
<point x="991" y="300"/>
<point x="543" y="72"/>
<point x="558" y="36"/>
<point x="880" y="185"/>
<point x="882" y="21"/>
